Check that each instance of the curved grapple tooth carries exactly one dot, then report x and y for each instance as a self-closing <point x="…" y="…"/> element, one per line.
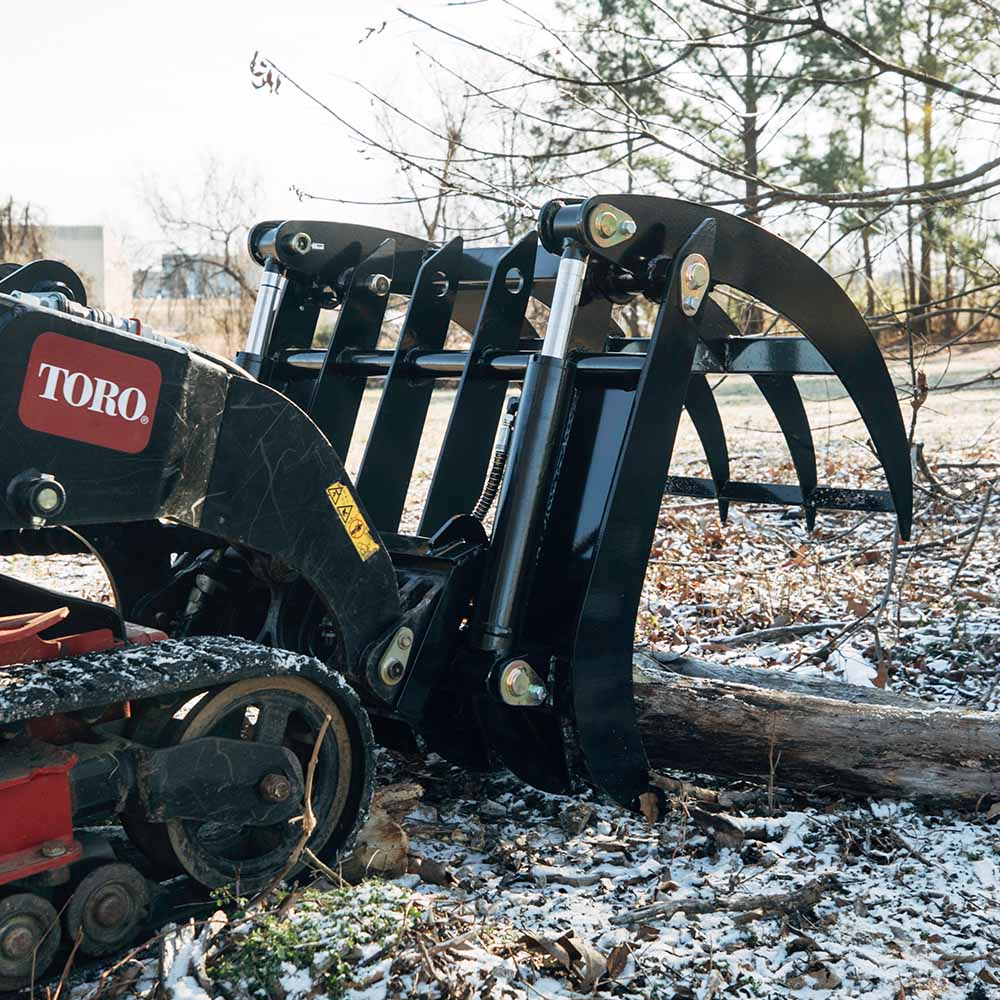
<point x="773" y="271"/>
<point x="785" y="400"/>
<point x="783" y="397"/>
<point x="704" y="413"/>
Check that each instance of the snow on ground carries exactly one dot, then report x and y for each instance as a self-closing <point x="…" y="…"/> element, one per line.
<point x="858" y="899"/>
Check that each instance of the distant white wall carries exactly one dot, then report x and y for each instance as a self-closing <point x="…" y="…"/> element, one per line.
<point x="99" y="260"/>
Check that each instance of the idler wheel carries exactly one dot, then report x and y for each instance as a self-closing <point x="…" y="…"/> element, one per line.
<point x="107" y="909"/>
<point x="288" y="712"/>
<point x="29" y="939"/>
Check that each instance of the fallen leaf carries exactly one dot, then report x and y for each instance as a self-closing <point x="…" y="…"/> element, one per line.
<point x="647" y="933"/>
<point x="649" y="806"/>
<point x="858" y="608"/>
<point x="549" y="947"/>
<point x="881" y="677"/>
<point x="617" y="960"/>
<point x="588" y="963"/>
<point x="430" y="871"/>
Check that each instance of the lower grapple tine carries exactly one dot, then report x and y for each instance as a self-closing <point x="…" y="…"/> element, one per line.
<point x="783" y="397"/>
<point x="785" y="400"/>
<point x="704" y="413"/>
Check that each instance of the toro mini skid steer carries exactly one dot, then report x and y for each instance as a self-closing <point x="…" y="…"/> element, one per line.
<point x="268" y="609"/>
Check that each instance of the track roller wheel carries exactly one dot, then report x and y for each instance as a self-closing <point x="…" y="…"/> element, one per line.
<point x="107" y="908"/>
<point x="286" y="711"/>
<point x="29" y="939"/>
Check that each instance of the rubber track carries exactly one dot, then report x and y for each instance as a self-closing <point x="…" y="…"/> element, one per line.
<point x="36" y="690"/>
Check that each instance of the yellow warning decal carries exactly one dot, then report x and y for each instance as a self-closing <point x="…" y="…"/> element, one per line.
<point x="353" y="520"/>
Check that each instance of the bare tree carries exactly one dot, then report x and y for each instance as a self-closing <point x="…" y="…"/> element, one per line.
<point x="22" y="234"/>
<point x="205" y="285"/>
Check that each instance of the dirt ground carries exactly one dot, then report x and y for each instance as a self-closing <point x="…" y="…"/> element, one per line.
<point x="866" y="899"/>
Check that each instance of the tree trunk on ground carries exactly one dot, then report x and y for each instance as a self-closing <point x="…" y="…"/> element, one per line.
<point x="814" y="735"/>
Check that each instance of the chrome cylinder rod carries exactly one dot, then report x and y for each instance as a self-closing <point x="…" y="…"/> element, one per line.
<point x="269" y="296"/>
<point x="565" y="301"/>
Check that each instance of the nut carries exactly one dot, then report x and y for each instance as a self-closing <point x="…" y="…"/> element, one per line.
<point x="606" y="224"/>
<point x="404" y="641"/>
<point x="517" y="680"/>
<point x="697" y="274"/>
<point x="379" y="284"/>
<point x="275" y="788"/>
<point x="53" y="849"/>
<point x="627" y="227"/>
<point x="392" y="671"/>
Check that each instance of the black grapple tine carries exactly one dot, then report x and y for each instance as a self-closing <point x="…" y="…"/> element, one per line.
<point x="387" y="466"/>
<point x="465" y="452"/>
<point x="704" y="413"/>
<point x="785" y="400"/>
<point x="336" y="398"/>
<point x="783" y="397"/>
<point x="603" y="703"/>
<point x="773" y="271"/>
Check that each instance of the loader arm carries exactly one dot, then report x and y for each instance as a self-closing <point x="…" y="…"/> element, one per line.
<point x="132" y="430"/>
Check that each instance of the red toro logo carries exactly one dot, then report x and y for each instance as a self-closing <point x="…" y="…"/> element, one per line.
<point x="88" y="393"/>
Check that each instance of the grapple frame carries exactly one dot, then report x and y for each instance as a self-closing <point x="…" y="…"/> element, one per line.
<point x="517" y="644"/>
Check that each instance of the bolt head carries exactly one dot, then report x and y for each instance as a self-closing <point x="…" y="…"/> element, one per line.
<point x="53" y="849"/>
<point x="518" y="681"/>
<point x="300" y="243"/>
<point x="379" y="284"/>
<point x="275" y="788"/>
<point x="697" y="274"/>
<point x="392" y="672"/>
<point x="690" y="304"/>
<point x="536" y="694"/>
<point x="404" y="642"/>
<point x="627" y="227"/>
<point x="606" y="224"/>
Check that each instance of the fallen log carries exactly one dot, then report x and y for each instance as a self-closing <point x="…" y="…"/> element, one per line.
<point x="814" y="734"/>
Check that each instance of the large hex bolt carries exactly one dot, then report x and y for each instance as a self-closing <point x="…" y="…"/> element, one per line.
<point x="275" y="788"/>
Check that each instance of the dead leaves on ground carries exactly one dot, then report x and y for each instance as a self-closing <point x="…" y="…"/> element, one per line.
<point x="586" y="965"/>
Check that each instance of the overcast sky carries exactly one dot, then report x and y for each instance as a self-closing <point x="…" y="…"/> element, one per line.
<point x="104" y="93"/>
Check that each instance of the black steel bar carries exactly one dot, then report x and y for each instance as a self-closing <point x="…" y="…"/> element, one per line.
<point x="743" y="356"/>
<point x="387" y="466"/>
<point x="336" y="397"/>
<point x="465" y="452"/>
<point x="601" y="669"/>
<point x="822" y="497"/>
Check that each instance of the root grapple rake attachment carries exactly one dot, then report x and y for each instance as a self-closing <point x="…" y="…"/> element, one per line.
<point x="253" y="574"/>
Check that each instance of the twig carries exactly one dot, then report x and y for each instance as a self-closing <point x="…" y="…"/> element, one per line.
<point x="789" y="902"/>
<point x="67" y="968"/>
<point x="308" y="821"/>
<point x="776" y="632"/>
<point x="975" y="534"/>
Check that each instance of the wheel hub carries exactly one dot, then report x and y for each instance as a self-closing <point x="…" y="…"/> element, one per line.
<point x="111" y="906"/>
<point x="17" y="941"/>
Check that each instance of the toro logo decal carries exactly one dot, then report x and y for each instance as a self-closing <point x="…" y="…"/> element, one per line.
<point x="88" y="393"/>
